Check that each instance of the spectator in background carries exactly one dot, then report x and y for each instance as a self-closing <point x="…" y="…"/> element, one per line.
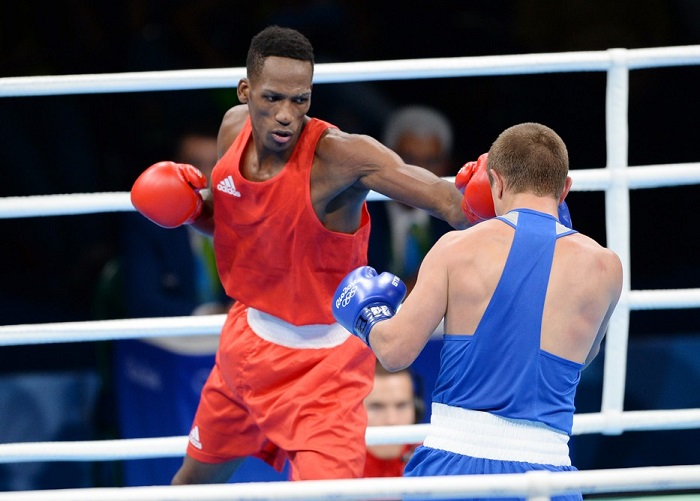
<point x="395" y="400"/>
<point x="402" y="235"/>
<point x="165" y="273"/>
<point x="173" y="272"/>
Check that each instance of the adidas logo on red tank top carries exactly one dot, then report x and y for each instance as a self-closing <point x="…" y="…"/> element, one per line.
<point x="194" y="438"/>
<point x="226" y="185"/>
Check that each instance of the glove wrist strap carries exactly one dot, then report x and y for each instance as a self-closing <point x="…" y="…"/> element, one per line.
<point x="368" y="317"/>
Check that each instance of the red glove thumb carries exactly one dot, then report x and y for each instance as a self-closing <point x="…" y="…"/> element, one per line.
<point x="477" y="203"/>
<point x="464" y="175"/>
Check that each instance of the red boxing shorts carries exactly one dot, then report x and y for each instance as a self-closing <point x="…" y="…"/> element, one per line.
<point x="279" y="401"/>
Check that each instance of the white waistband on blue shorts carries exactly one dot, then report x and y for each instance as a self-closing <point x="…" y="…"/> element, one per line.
<point x="485" y="435"/>
<point x="276" y="330"/>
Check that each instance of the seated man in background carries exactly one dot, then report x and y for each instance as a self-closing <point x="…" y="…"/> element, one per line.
<point x="395" y="400"/>
<point x="173" y="272"/>
<point x="166" y="273"/>
<point x="402" y="235"/>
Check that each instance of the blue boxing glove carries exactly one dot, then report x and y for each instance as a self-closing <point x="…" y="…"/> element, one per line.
<point x="364" y="298"/>
<point x="565" y="215"/>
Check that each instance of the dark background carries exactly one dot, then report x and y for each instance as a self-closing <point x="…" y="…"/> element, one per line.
<point x="91" y="143"/>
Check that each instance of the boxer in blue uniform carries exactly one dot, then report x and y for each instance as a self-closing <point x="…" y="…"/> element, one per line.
<point x="526" y="302"/>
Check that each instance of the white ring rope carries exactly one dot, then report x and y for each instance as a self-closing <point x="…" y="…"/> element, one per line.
<point x="136" y="328"/>
<point x="143" y="448"/>
<point x="104" y="330"/>
<point x="616" y="179"/>
<point x="355" y="72"/>
<point x="650" y="176"/>
<point x="536" y="485"/>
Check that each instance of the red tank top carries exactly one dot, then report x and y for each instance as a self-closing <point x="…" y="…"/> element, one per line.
<point x="272" y="252"/>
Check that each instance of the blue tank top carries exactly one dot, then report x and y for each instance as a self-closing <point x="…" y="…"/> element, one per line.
<point x="501" y="368"/>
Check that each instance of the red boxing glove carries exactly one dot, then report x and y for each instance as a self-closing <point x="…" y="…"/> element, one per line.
<point x="167" y="193"/>
<point x="473" y="182"/>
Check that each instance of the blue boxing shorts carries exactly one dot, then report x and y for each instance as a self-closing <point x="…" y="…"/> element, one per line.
<point x="463" y="442"/>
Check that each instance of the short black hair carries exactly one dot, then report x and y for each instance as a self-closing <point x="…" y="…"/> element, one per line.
<point x="280" y="42"/>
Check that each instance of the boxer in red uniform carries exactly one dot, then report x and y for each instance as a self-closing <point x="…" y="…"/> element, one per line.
<point x="287" y="210"/>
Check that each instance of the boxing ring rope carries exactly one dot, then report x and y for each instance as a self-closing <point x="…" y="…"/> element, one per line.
<point x="616" y="179"/>
<point x="649" y="176"/>
<point x="161" y="447"/>
<point x="536" y="485"/>
<point x="401" y="69"/>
